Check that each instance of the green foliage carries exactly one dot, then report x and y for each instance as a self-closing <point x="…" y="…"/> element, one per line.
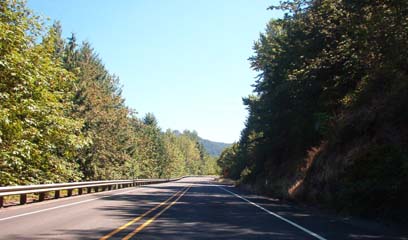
<point x="228" y="161"/>
<point x="380" y="172"/>
<point x="150" y="120"/>
<point x="38" y="137"/>
<point x="331" y="72"/>
<point x="150" y="149"/>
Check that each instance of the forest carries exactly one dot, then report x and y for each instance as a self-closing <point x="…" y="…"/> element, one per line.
<point x="327" y="119"/>
<point x="328" y="116"/>
<point x="62" y="116"/>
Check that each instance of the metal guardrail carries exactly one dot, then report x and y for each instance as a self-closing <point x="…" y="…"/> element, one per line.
<point x="96" y="186"/>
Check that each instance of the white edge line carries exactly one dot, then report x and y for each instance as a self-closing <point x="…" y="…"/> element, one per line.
<point x="62" y="206"/>
<point x="276" y="215"/>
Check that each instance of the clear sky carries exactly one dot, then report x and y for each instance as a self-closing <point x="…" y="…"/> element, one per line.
<point x="186" y="61"/>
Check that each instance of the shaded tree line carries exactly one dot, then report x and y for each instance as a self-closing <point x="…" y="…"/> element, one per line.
<point x="62" y="116"/>
<point x="328" y="117"/>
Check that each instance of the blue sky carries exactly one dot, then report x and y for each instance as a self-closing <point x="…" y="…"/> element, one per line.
<point x="183" y="60"/>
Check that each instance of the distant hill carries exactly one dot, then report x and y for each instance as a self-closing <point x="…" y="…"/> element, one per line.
<point x="214" y="148"/>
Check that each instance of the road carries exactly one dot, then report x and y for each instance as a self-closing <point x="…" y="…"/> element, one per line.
<point x="191" y="208"/>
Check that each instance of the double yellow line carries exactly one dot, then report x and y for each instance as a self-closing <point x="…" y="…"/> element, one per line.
<point x="149" y="221"/>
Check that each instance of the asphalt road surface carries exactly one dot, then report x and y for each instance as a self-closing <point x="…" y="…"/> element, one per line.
<point x="191" y="208"/>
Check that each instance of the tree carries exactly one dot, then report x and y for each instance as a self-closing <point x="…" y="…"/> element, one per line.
<point x="99" y="103"/>
<point x="332" y="80"/>
<point x="38" y="137"/>
<point x="150" y="120"/>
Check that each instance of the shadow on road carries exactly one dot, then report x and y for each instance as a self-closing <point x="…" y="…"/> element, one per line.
<point x="208" y="212"/>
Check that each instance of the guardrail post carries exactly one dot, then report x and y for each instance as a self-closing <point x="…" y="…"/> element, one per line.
<point x="81" y="187"/>
<point x="23" y="199"/>
<point x="41" y="196"/>
<point x="57" y="194"/>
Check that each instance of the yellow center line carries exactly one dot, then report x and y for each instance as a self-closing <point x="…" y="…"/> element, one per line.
<point x="145" y="224"/>
<point x="124" y="226"/>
